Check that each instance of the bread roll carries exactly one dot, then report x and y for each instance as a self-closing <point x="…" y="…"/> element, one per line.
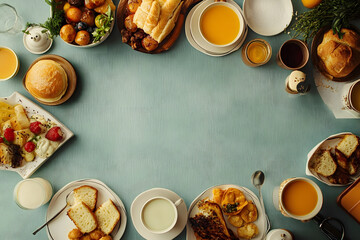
<point x="47" y="81"/>
<point x="340" y="56"/>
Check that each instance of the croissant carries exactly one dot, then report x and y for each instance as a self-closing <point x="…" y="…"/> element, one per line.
<point x="340" y="56"/>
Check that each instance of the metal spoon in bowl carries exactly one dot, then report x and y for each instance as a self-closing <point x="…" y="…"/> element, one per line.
<point x="257" y="180"/>
<point x="69" y="202"/>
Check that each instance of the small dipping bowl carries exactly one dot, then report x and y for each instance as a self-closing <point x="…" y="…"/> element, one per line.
<point x="208" y="11"/>
<point x="9" y="63"/>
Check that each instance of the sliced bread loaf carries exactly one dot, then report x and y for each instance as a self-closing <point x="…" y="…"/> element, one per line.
<point x="83" y="217"/>
<point x="87" y="195"/>
<point x="107" y="216"/>
<point x="324" y="164"/>
<point x="348" y="145"/>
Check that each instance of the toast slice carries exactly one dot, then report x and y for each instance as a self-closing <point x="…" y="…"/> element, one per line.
<point x="324" y="164"/>
<point x="87" y="195"/>
<point x="107" y="216"/>
<point x="83" y="217"/>
<point x="210" y="223"/>
<point x="348" y="145"/>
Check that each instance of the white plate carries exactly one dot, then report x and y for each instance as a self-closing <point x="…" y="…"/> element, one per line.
<point x="28" y="168"/>
<point x="327" y="144"/>
<point x="260" y="222"/>
<point x="62" y="225"/>
<point x="268" y="17"/>
<point x="141" y="199"/>
<point x="199" y="43"/>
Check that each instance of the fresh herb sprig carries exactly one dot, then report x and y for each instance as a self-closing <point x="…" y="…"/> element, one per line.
<point x="334" y="13"/>
<point x="54" y="23"/>
<point x="105" y="27"/>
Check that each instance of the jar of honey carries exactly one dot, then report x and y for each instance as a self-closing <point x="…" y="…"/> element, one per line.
<point x="255" y="53"/>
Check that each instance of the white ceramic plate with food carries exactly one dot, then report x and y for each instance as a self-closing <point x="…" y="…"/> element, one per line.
<point x="195" y="39"/>
<point x="268" y="17"/>
<point x="261" y="222"/>
<point x="327" y="144"/>
<point x="62" y="225"/>
<point x="28" y="168"/>
<point x="142" y="198"/>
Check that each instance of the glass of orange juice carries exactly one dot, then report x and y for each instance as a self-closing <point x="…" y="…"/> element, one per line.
<point x="257" y="52"/>
<point x="9" y="63"/>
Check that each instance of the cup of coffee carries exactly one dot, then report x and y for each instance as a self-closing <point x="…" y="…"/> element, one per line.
<point x="293" y="54"/>
<point x="352" y="96"/>
<point x="159" y="214"/>
<point x="298" y="198"/>
<point x="221" y="24"/>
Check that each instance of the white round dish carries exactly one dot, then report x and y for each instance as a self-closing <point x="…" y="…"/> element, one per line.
<point x="197" y="41"/>
<point x="268" y="17"/>
<point x="142" y="198"/>
<point x="62" y="225"/>
<point x="261" y="222"/>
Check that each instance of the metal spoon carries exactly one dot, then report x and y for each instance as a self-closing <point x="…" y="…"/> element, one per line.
<point x="68" y="203"/>
<point x="257" y="180"/>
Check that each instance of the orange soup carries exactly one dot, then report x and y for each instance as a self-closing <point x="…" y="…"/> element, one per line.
<point x="299" y="198"/>
<point x="351" y="201"/>
<point x="220" y="25"/>
<point x="355" y="96"/>
<point x="7" y="63"/>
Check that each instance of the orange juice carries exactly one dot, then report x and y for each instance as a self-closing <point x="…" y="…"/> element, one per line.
<point x="8" y="63"/>
<point x="299" y="197"/>
<point x="220" y="25"/>
<point x="257" y="52"/>
<point x="355" y="96"/>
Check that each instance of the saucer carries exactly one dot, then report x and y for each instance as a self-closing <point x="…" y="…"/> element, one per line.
<point x="269" y="17"/>
<point x="194" y="37"/>
<point x="141" y="199"/>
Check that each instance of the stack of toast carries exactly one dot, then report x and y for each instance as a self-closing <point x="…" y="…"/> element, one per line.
<point x="96" y="224"/>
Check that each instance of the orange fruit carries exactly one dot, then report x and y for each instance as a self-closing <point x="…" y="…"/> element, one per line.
<point x="311" y="3"/>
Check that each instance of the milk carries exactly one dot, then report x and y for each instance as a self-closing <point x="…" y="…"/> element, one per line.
<point x="159" y="214"/>
<point x="32" y="193"/>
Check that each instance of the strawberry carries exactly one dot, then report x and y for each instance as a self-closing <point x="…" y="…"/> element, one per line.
<point x="1" y="140"/>
<point x="9" y="134"/>
<point x="35" y="127"/>
<point x="29" y="146"/>
<point x="54" y="134"/>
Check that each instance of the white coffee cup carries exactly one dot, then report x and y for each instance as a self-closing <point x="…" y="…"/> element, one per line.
<point x="279" y="192"/>
<point x="159" y="214"/>
<point x="233" y="8"/>
<point x="350" y="94"/>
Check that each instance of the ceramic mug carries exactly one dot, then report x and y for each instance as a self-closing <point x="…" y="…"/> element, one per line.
<point x="352" y="96"/>
<point x="300" y="194"/>
<point x="159" y="214"/>
<point x="206" y="12"/>
<point x="293" y="54"/>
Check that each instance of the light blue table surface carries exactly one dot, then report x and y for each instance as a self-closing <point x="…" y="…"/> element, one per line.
<point x="179" y="120"/>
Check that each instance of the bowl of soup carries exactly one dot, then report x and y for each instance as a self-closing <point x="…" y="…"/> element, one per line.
<point x="221" y="24"/>
<point x="9" y="63"/>
<point x="300" y="198"/>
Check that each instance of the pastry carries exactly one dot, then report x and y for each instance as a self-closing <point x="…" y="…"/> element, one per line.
<point x="47" y="81"/>
<point x="339" y="57"/>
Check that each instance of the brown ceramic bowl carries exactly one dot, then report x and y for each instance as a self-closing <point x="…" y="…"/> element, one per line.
<point x="318" y="38"/>
<point x="71" y="74"/>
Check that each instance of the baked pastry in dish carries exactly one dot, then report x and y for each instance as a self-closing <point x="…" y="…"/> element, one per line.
<point x="149" y="22"/>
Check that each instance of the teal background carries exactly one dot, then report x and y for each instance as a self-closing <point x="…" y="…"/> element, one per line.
<point x="179" y="120"/>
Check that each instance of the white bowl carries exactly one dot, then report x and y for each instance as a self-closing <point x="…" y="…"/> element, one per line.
<point x="17" y="65"/>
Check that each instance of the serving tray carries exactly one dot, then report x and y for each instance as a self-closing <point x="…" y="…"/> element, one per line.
<point x="167" y="43"/>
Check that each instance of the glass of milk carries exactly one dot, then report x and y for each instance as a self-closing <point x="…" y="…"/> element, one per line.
<point x="32" y="193"/>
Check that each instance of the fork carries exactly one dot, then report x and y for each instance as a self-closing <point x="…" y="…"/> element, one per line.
<point x="57" y="214"/>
